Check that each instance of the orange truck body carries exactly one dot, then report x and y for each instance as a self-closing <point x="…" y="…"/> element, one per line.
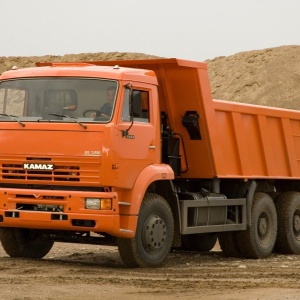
<point x="208" y="159"/>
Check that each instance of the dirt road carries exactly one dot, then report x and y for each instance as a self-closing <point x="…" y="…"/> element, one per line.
<point x="96" y="272"/>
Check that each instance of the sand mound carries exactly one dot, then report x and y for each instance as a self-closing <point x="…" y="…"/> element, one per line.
<point x="267" y="77"/>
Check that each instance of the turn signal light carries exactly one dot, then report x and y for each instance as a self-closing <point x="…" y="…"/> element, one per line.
<point x="106" y="204"/>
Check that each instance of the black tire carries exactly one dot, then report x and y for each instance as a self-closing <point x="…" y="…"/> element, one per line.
<point x="26" y="243"/>
<point x="258" y="240"/>
<point x="288" y="235"/>
<point x="154" y="235"/>
<point x="228" y="243"/>
<point x="199" y="242"/>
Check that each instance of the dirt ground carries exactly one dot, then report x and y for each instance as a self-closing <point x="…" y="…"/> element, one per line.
<point x="76" y="271"/>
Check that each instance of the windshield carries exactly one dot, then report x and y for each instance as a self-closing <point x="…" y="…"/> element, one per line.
<point x="64" y="99"/>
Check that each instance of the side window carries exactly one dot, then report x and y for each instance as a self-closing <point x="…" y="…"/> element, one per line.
<point x="145" y="106"/>
<point x="140" y="106"/>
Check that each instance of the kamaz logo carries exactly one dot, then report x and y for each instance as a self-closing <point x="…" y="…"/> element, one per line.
<point x="38" y="167"/>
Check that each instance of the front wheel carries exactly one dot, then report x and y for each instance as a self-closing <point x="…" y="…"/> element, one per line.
<point x="28" y="243"/>
<point x="154" y="235"/>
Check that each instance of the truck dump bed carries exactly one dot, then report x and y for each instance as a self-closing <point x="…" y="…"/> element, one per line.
<point x="237" y="140"/>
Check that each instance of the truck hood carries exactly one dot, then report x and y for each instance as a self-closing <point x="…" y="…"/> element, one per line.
<point x="60" y="157"/>
<point x="51" y="142"/>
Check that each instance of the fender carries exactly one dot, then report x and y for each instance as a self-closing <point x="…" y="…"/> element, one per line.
<point x="134" y="197"/>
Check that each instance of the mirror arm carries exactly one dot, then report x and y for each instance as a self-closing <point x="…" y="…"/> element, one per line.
<point x="125" y="132"/>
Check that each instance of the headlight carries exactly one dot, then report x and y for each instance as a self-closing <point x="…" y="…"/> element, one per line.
<point x="92" y="203"/>
<point x="98" y="203"/>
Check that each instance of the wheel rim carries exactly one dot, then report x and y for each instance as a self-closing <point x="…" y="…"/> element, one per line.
<point x="264" y="227"/>
<point x="154" y="233"/>
<point x="296" y="224"/>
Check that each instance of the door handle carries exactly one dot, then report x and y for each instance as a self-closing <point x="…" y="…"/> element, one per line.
<point x="152" y="147"/>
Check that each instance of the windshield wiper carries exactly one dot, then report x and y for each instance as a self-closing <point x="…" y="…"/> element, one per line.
<point x="14" y="118"/>
<point x="72" y="118"/>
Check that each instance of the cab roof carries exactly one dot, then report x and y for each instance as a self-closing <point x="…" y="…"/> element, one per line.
<point x="89" y="70"/>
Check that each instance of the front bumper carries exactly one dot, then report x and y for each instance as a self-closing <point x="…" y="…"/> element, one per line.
<point x="19" y="208"/>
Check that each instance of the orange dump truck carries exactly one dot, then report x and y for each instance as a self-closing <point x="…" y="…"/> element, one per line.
<point x="138" y="153"/>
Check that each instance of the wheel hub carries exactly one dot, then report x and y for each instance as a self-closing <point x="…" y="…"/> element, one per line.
<point x="262" y="226"/>
<point x="155" y="232"/>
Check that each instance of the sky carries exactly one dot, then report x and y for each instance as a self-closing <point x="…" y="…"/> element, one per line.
<point x="186" y="29"/>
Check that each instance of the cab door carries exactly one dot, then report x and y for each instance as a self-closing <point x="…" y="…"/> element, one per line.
<point x="139" y="137"/>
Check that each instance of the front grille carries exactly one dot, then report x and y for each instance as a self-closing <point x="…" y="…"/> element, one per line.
<point x="61" y="173"/>
<point x="65" y="170"/>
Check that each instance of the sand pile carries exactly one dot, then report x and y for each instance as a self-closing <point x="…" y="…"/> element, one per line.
<point x="267" y="77"/>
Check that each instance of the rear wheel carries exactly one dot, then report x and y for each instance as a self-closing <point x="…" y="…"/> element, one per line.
<point x="258" y="240"/>
<point x="199" y="242"/>
<point x="288" y="236"/>
<point x="27" y="243"/>
<point x="154" y="235"/>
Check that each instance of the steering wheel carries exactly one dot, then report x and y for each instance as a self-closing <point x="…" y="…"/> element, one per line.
<point x="91" y="113"/>
<point x="95" y="113"/>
